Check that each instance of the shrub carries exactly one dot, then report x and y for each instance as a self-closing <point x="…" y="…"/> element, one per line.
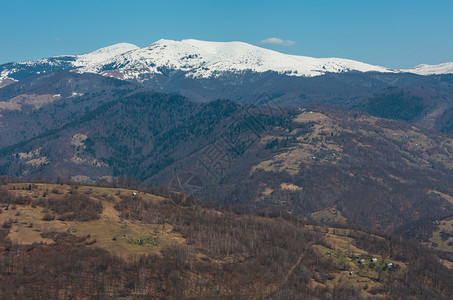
<point x="48" y="217"/>
<point x="7" y="224"/>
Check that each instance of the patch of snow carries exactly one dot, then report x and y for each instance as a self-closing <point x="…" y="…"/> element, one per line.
<point x="102" y="55"/>
<point x="4" y="76"/>
<point x="75" y="94"/>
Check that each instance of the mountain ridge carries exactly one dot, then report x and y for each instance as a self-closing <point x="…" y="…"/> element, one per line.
<point x="302" y="161"/>
<point x="198" y="59"/>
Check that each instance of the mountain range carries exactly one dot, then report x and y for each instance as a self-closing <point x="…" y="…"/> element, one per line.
<point x="207" y="71"/>
<point x="241" y="126"/>
<point x="198" y="59"/>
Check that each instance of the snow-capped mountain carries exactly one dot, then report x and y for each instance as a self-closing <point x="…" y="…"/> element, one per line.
<point x="202" y="59"/>
<point x="19" y="70"/>
<point x="196" y="59"/>
<point x="445" y="68"/>
<point x="103" y="55"/>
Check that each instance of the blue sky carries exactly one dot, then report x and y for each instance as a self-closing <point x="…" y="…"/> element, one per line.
<point x="389" y="33"/>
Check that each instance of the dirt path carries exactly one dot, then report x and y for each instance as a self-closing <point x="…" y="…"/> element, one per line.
<point x="291" y="271"/>
<point x="288" y="274"/>
<point x="431" y="118"/>
<point x="109" y="212"/>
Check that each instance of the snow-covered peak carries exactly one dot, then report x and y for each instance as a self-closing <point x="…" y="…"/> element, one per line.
<point x="202" y="59"/>
<point x="102" y="55"/>
<point x="216" y="47"/>
<point x="445" y="68"/>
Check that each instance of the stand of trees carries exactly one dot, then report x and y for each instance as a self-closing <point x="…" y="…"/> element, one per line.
<point x="224" y="254"/>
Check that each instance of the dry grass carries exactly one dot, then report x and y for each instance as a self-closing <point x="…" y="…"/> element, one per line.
<point x="121" y="237"/>
<point x="445" y="225"/>
<point x="308" y="145"/>
<point x="330" y="215"/>
<point x="267" y="191"/>
<point x="290" y="187"/>
<point x="29" y="99"/>
<point x="445" y="196"/>
<point x="342" y="252"/>
<point x="359" y="279"/>
<point x="415" y="141"/>
<point x="310" y="116"/>
<point x="29" y="225"/>
<point x="447" y="263"/>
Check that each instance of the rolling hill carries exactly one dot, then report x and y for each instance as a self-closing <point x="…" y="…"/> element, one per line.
<point x="135" y="243"/>
<point x="314" y="161"/>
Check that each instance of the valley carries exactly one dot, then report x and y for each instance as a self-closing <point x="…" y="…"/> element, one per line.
<point x="195" y="169"/>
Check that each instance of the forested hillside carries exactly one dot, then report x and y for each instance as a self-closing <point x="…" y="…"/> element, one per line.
<point x="320" y="162"/>
<point x="135" y="243"/>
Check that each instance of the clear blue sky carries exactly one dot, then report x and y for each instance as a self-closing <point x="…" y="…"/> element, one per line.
<point x="396" y="33"/>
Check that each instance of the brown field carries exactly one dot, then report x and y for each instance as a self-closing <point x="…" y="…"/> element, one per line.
<point x="344" y="253"/>
<point x="437" y="242"/>
<point x="329" y="215"/>
<point x="110" y="232"/>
